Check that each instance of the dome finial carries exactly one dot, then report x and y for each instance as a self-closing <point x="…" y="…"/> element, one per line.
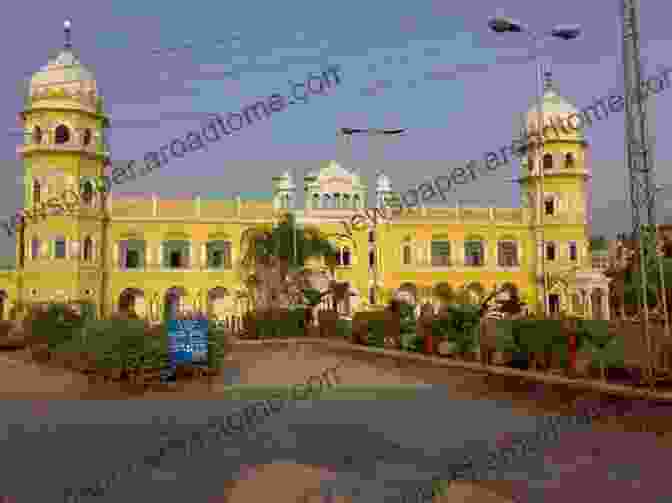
<point x="548" y="80"/>
<point x="66" y="27"/>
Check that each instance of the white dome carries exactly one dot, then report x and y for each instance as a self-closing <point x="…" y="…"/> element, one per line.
<point x="333" y="169"/>
<point x="63" y="69"/>
<point x="284" y="181"/>
<point x="554" y="107"/>
<point x="383" y="182"/>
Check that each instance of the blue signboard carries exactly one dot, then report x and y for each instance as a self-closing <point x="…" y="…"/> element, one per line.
<point x="188" y="342"/>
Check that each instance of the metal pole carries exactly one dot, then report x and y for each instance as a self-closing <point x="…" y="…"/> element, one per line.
<point x="347" y="133"/>
<point x="540" y="185"/>
<point x="639" y="162"/>
<point x="294" y="219"/>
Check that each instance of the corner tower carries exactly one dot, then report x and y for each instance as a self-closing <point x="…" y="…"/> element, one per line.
<point x="64" y="152"/>
<point x="560" y="195"/>
<point x="566" y="174"/>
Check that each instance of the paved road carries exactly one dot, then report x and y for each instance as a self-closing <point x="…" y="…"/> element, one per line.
<point x="376" y="449"/>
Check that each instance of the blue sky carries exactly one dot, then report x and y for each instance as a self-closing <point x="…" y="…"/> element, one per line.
<point x="430" y="66"/>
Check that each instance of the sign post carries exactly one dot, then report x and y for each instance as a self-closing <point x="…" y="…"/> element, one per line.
<point x="187" y="342"/>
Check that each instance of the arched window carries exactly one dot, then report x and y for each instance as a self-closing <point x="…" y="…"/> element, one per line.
<point x="530" y="163"/>
<point x="548" y="162"/>
<point x="440" y="249"/>
<point x="407" y="255"/>
<point x="87" y="193"/>
<point x="62" y="134"/>
<point x="337" y="200"/>
<point x="356" y="202"/>
<point x="569" y="161"/>
<point x="86" y="139"/>
<point x="474" y="252"/>
<point x="346" y="201"/>
<point x="507" y="253"/>
<point x="549" y="205"/>
<point x="36" y="192"/>
<point x="316" y="201"/>
<point x="325" y="201"/>
<point x="35" y="248"/>
<point x="510" y="290"/>
<point x="59" y="247"/>
<point x="37" y="134"/>
<point x="346" y="256"/>
<point x="550" y="252"/>
<point x="88" y="249"/>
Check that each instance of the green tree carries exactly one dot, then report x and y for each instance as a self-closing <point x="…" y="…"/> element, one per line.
<point x="598" y="243"/>
<point x="273" y="260"/>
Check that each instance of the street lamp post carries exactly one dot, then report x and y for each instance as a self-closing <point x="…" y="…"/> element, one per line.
<point x="502" y="24"/>
<point x="371" y="132"/>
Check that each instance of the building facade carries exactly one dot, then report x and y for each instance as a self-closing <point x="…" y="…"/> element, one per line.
<point x="159" y="254"/>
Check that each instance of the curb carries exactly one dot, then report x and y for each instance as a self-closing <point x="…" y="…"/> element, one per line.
<point x="579" y="383"/>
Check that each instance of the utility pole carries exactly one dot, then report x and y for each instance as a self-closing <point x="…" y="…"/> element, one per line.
<point x="347" y="133"/>
<point x="638" y="157"/>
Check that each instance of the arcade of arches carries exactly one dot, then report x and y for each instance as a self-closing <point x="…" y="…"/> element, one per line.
<point x="217" y="302"/>
<point x="583" y="298"/>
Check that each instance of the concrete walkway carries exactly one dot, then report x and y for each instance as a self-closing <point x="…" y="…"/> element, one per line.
<point x="371" y="450"/>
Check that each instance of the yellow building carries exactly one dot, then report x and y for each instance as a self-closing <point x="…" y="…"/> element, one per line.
<point x="184" y="252"/>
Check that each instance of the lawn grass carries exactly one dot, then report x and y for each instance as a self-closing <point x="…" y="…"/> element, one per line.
<point x="339" y="392"/>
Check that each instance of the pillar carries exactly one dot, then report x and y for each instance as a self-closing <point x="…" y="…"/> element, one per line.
<point x="115" y="256"/>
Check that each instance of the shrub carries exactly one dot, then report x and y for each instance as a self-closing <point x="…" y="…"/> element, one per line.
<point x="607" y="350"/>
<point x="344" y="328"/>
<point x="459" y="324"/>
<point x="412" y="342"/>
<point x="53" y="324"/>
<point x="376" y="333"/>
<point x="216" y="348"/>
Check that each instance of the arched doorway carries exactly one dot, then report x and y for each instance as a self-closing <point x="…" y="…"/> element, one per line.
<point x="597" y="300"/>
<point x="220" y="303"/>
<point x="172" y="303"/>
<point x="443" y="294"/>
<point x="132" y="302"/>
<point x="509" y="291"/>
<point x="474" y="292"/>
<point x="408" y="292"/>
<point x="3" y="299"/>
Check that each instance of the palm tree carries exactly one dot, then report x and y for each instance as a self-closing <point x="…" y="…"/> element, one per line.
<point x="444" y="293"/>
<point x="273" y="260"/>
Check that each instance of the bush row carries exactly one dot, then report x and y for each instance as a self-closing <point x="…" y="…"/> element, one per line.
<point x="126" y="344"/>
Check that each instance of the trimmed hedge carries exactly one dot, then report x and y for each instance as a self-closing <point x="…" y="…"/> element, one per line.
<point x="275" y="323"/>
<point x="115" y="344"/>
<point x="551" y="336"/>
<point x="376" y="333"/>
<point x="344" y="328"/>
<point x="458" y="324"/>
